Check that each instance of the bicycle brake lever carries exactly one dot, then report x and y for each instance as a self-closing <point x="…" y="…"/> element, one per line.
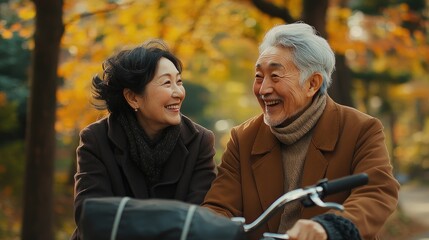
<point x="241" y="220"/>
<point x="316" y="200"/>
<point x="276" y="235"/>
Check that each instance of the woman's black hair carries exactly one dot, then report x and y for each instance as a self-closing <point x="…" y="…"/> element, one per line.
<point x="132" y="69"/>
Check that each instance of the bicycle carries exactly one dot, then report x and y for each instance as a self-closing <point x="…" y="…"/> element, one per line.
<point x="126" y="218"/>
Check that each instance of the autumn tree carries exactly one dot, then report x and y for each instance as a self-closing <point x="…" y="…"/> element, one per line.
<point x="217" y="42"/>
<point x="396" y="55"/>
<point x="219" y="60"/>
<point x="13" y="78"/>
<point x="14" y="63"/>
<point x="394" y="31"/>
<point x="40" y="136"/>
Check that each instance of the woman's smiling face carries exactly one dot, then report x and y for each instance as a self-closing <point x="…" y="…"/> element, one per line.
<point x="160" y="102"/>
<point x="277" y="86"/>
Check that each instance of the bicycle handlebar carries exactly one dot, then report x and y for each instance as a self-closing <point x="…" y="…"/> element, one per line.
<point x="310" y="195"/>
<point x="344" y="183"/>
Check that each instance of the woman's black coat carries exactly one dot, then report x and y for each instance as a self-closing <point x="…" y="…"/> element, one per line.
<point x="104" y="167"/>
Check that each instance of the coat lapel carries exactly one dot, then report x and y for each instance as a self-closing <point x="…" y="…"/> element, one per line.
<point x="134" y="177"/>
<point x="325" y="137"/>
<point x="173" y="168"/>
<point x="267" y="170"/>
<point x="315" y="166"/>
<point x="132" y="173"/>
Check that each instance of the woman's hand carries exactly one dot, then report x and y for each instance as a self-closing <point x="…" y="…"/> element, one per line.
<point x="307" y="230"/>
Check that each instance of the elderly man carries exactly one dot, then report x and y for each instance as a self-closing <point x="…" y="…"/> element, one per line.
<point x="301" y="137"/>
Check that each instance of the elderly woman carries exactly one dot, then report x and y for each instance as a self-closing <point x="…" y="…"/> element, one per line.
<point x="145" y="148"/>
<point x="301" y="137"/>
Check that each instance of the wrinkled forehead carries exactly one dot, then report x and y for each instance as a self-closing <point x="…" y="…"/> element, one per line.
<point x="274" y="57"/>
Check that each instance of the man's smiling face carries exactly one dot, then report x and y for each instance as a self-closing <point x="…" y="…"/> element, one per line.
<point x="277" y="86"/>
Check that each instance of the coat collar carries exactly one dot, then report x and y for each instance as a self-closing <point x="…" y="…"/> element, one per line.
<point x="187" y="130"/>
<point x="325" y="137"/>
<point x="327" y="130"/>
<point x="265" y="141"/>
<point x="172" y="169"/>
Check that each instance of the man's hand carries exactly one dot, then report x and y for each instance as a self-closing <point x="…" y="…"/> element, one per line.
<point x="307" y="230"/>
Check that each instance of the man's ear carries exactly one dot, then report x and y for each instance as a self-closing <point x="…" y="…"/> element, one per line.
<point x="314" y="83"/>
<point x="131" y="98"/>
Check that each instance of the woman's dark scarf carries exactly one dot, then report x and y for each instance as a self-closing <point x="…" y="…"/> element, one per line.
<point x="149" y="155"/>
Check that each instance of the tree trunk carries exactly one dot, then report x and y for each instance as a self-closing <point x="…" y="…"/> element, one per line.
<point x="40" y="136"/>
<point x="341" y="87"/>
<point x="315" y="15"/>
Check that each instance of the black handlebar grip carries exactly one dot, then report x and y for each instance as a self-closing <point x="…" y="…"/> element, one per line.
<point x="344" y="183"/>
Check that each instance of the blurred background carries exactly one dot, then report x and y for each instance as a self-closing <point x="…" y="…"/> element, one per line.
<point x="50" y="50"/>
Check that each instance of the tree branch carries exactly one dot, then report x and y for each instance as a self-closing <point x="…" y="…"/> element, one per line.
<point x="192" y="27"/>
<point x="273" y="10"/>
<point x="109" y="8"/>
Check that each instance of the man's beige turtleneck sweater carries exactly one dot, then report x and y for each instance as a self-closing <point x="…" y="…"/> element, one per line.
<point x="295" y="139"/>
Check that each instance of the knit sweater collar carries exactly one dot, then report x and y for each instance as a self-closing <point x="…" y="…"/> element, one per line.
<point x="294" y="131"/>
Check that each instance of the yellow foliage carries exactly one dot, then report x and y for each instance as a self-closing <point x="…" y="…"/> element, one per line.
<point x="65" y="69"/>
<point x="410" y="91"/>
<point x="235" y="87"/>
<point x="400" y="33"/>
<point x="403" y="7"/>
<point x="217" y="41"/>
<point x="380" y="64"/>
<point x="295" y="7"/>
<point x="3" y="99"/>
<point x="6" y="34"/>
<point x="215" y="30"/>
<point x="420" y="37"/>
<point x="110" y="41"/>
<point x="26" y="12"/>
<point x="16" y="27"/>
<point x="337" y="29"/>
<point x="25" y="32"/>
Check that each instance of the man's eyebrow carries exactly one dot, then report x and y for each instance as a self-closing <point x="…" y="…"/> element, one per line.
<point x="271" y="65"/>
<point x="275" y="65"/>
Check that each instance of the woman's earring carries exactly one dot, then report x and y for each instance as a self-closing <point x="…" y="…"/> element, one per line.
<point x="136" y="109"/>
